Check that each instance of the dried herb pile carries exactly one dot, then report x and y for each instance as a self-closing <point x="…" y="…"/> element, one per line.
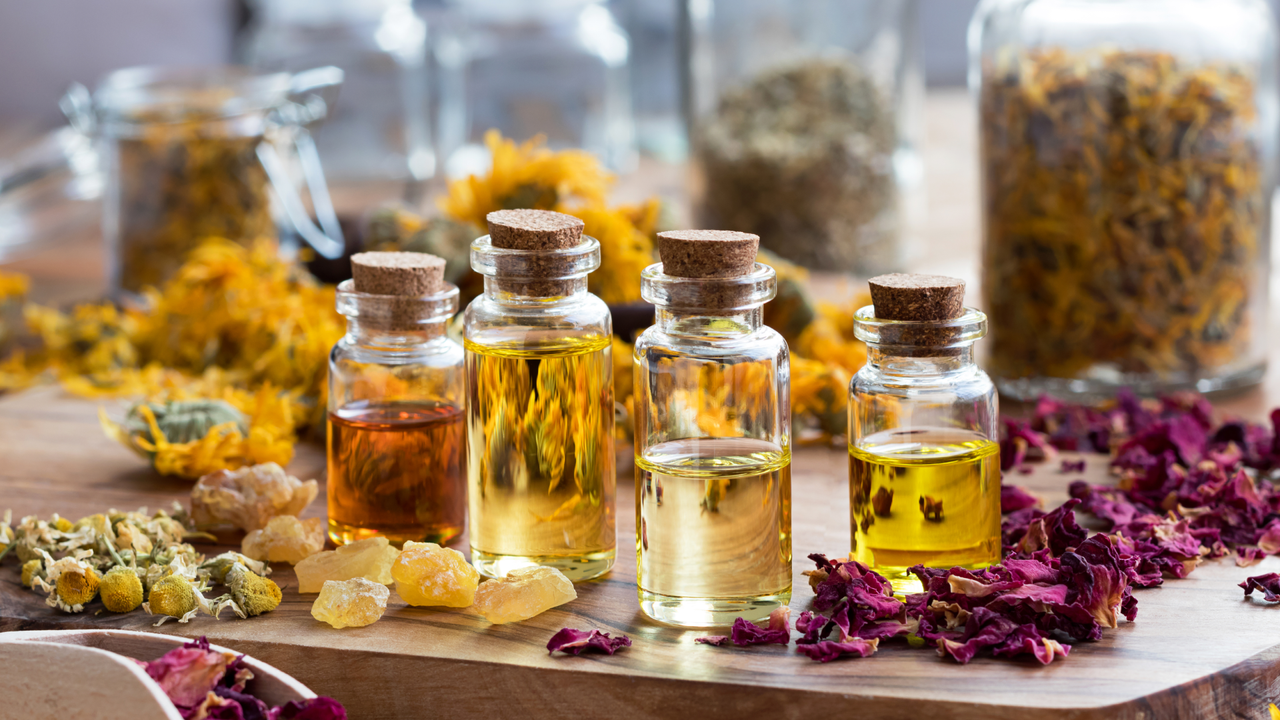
<point x="1125" y="213"/>
<point x="802" y="157"/>
<point x="181" y="182"/>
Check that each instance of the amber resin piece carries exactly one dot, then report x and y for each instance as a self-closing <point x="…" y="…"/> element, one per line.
<point x="523" y="593"/>
<point x="249" y="497"/>
<point x="285" y="539"/>
<point x="370" y="559"/>
<point x="430" y="575"/>
<point x="350" y="603"/>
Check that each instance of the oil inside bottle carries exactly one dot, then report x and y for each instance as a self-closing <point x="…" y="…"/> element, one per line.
<point x="396" y="469"/>
<point x="927" y="496"/>
<point x="714" y="520"/>
<point x="540" y="456"/>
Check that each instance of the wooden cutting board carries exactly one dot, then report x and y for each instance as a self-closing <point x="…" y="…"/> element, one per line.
<point x="1196" y="650"/>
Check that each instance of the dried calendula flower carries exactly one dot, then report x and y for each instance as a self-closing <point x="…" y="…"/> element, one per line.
<point x="285" y="539"/>
<point x="248" y="498"/>
<point x="1124" y="203"/>
<point x="121" y="590"/>
<point x="251" y="594"/>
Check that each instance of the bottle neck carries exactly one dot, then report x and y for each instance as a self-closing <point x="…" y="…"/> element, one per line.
<point x="695" y="323"/>
<point x="523" y="291"/>
<point x="375" y="337"/>
<point x="908" y="362"/>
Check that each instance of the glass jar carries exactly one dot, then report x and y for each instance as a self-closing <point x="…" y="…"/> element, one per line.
<point x="557" y="68"/>
<point x="397" y="462"/>
<point x="540" y="413"/>
<point x="379" y="128"/>
<point x="803" y="122"/>
<point x="713" y="452"/>
<point x="195" y="153"/>
<point x="924" y="457"/>
<point x="1128" y="153"/>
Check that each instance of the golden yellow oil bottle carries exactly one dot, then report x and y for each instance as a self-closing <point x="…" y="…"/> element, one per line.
<point x="713" y="446"/>
<point x="924" y="466"/>
<point x="540" y="410"/>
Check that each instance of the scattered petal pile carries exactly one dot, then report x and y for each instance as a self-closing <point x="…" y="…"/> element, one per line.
<point x="576" y="642"/>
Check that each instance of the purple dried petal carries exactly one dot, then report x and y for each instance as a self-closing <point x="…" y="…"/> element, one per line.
<point x="1268" y="585"/>
<point x="778" y="632"/>
<point x="247" y="707"/>
<point x="1072" y="466"/>
<point x="576" y="642"/>
<point x="317" y="708"/>
<point x="1249" y="556"/>
<point x="828" y="650"/>
<point x="1016" y="497"/>
<point x="714" y="640"/>
<point x="188" y="673"/>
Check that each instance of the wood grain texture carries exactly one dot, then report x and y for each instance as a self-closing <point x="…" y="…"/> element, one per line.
<point x="1197" y="649"/>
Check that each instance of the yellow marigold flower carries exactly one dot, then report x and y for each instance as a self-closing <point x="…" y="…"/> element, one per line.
<point x="624" y="252"/>
<point x="527" y="176"/>
<point x="1275" y="711"/>
<point x="172" y="596"/>
<point x="121" y="590"/>
<point x="13" y="285"/>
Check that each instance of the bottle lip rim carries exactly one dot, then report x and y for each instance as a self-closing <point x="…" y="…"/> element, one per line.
<point x="672" y="291"/>
<point x="551" y="264"/>
<point x="956" y="332"/>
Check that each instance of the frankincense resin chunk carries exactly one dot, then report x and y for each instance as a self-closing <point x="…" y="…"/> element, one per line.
<point x="427" y="574"/>
<point x="350" y="603"/>
<point x="523" y="593"/>
<point x="285" y="539"/>
<point x="370" y="559"/>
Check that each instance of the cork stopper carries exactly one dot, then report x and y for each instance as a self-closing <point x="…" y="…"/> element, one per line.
<point x="400" y="280"/>
<point x="919" y="298"/>
<point x="533" y="230"/>
<point x="407" y="274"/>
<point x="707" y="253"/>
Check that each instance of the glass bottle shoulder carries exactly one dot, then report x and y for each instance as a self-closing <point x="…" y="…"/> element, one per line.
<point x="582" y="317"/>
<point x="441" y="351"/>
<point x="968" y="382"/>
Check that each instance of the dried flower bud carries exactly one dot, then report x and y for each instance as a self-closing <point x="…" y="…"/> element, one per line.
<point x="121" y="590"/>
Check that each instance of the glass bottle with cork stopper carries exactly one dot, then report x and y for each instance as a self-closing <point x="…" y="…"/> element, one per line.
<point x="396" y="437"/>
<point x="713" y="445"/>
<point x="539" y="400"/>
<point x="924" y="463"/>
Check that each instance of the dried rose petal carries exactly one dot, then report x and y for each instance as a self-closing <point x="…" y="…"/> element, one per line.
<point x="1249" y="556"/>
<point x="778" y="632"/>
<point x="1071" y="466"/>
<point x="576" y="642"/>
<point x="1268" y="585"/>
<point x="317" y="708"/>
<point x="828" y="650"/>
<point x="714" y="640"/>
<point x="1014" y="498"/>
<point x="187" y="674"/>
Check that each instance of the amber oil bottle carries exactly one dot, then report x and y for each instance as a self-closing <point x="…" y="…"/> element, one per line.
<point x="539" y="411"/>
<point x="924" y="463"/>
<point x="396" y="438"/>
<point x="713" y="447"/>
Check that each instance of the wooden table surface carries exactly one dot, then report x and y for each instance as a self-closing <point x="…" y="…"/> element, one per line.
<point x="1196" y="649"/>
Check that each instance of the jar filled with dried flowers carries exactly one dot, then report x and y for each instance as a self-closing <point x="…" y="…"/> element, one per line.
<point x="396" y="439"/>
<point x="1128" y="153"/>
<point x="197" y="153"/>
<point x="801" y="124"/>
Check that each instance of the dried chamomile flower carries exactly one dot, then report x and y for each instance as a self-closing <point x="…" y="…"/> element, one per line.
<point x="523" y="593"/>
<point x="174" y="596"/>
<point x="70" y="582"/>
<point x="370" y="558"/>
<point x="285" y="539"/>
<point x="351" y="603"/>
<point x="121" y="590"/>
<point x="427" y="574"/>
<point x="251" y="594"/>
<point x="217" y="566"/>
<point x="31" y="571"/>
<point x="250" y="497"/>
